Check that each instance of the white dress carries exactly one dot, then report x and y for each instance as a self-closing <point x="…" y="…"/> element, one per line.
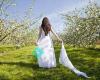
<point x="47" y="59"/>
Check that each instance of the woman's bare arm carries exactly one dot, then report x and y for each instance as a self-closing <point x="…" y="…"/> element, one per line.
<point x="55" y="35"/>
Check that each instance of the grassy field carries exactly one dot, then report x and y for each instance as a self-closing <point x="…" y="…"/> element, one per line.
<point x="20" y="64"/>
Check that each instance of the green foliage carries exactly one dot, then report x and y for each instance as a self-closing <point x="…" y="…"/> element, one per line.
<point x="21" y="65"/>
<point x="83" y="26"/>
<point x="19" y="33"/>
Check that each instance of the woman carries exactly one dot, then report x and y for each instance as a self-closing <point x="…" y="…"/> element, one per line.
<point x="47" y="59"/>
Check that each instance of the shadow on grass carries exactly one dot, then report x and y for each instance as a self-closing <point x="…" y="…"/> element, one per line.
<point x="94" y="53"/>
<point x="40" y="73"/>
<point x="97" y="49"/>
<point x="22" y="64"/>
<point x="58" y="73"/>
<point x="2" y="77"/>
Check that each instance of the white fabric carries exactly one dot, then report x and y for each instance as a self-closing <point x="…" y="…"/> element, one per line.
<point x="64" y="60"/>
<point x="47" y="59"/>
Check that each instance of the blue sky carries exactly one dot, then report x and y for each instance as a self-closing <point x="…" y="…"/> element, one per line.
<point x="50" y="8"/>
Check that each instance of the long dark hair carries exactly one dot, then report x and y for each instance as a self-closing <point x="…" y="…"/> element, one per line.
<point x="46" y="25"/>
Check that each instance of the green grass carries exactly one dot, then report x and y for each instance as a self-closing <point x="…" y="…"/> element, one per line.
<point x="20" y="64"/>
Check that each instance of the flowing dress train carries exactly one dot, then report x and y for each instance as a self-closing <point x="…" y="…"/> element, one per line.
<point x="64" y="60"/>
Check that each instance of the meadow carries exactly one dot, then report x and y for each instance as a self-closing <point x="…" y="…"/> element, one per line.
<point x="20" y="64"/>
